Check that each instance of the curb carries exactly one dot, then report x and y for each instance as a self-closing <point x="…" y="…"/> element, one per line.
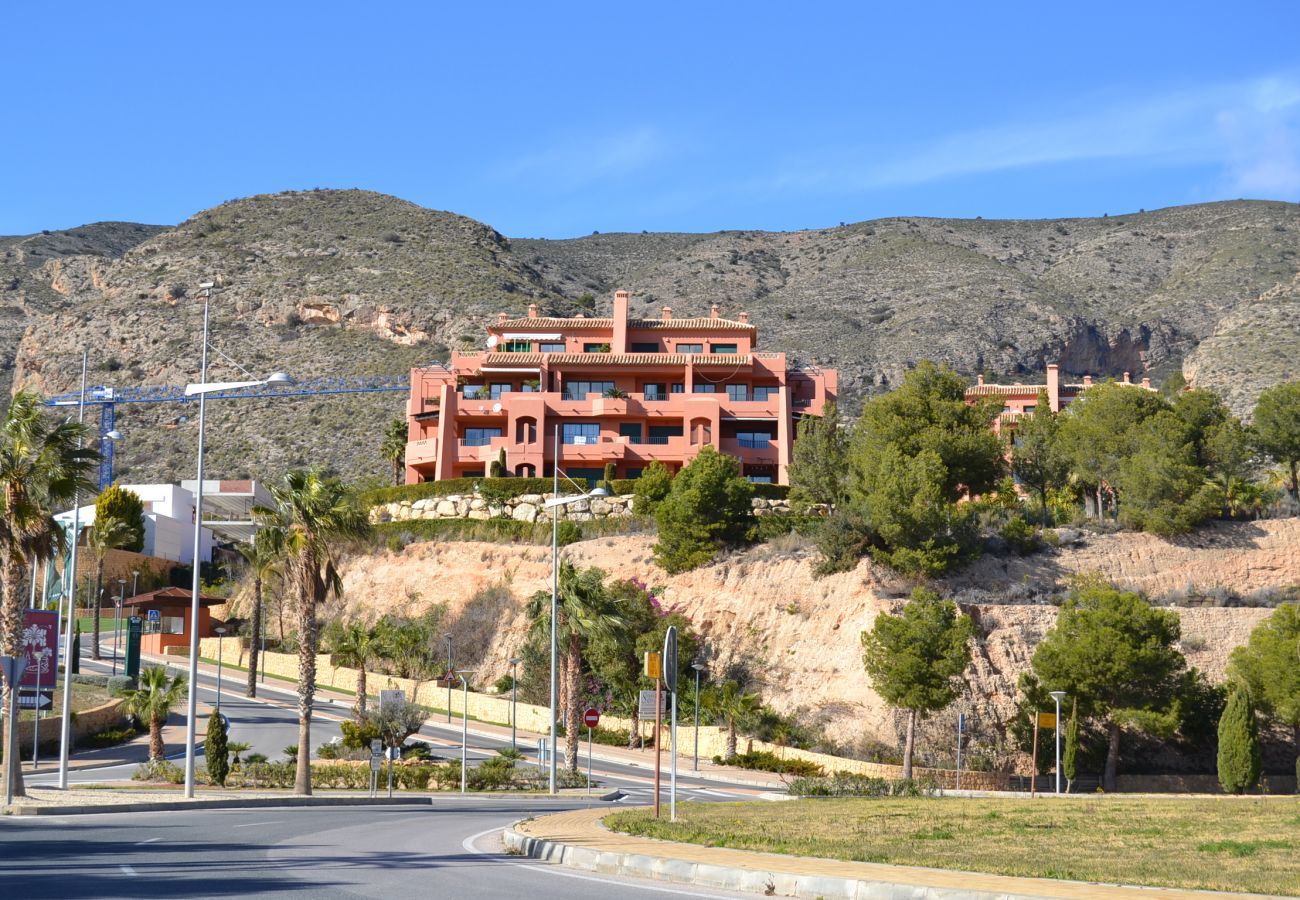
<point x="250" y="803"/>
<point x="269" y="802"/>
<point x="758" y="881"/>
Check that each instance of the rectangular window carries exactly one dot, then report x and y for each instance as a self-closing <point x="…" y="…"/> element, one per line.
<point x="590" y="475"/>
<point x="473" y="392"/>
<point x="690" y="348"/>
<point x="497" y="388"/>
<point x="679" y="388"/>
<point x="602" y="347"/>
<point x="631" y="430"/>
<point x="765" y="393"/>
<point x="655" y="391"/>
<point x="1030" y="408"/>
<point x="517" y="347"/>
<point x="755" y="440"/>
<point x="578" y="390"/>
<point x="480" y="437"/>
<point x="529" y="387"/>
<point x="738" y="392"/>
<point x="648" y="347"/>
<point x="724" y="348"/>
<point x="633" y="472"/>
<point x="582" y="433"/>
<point x="705" y="389"/>
<point x="551" y="348"/>
<point x="659" y="434"/>
<point x="759" y="479"/>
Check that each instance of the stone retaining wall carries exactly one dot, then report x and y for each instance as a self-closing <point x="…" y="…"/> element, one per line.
<point x="85" y="723"/>
<point x="497" y="708"/>
<point x="527" y="508"/>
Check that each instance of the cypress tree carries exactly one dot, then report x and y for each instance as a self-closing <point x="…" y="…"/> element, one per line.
<point x="1070" y="761"/>
<point x="216" y="749"/>
<point x="1239" y="759"/>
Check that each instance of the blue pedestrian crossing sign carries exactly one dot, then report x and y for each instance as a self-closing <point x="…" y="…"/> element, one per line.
<point x="155" y="615"/>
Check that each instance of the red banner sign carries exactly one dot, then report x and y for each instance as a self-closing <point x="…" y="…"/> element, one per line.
<point x="39" y="645"/>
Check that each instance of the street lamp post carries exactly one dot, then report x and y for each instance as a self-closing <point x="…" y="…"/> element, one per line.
<point x="1058" y="696"/>
<point x="464" y="726"/>
<point x="554" y="504"/>
<point x="450" y="678"/>
<point x="36" y="717"/>
<point x="117" y="619"/>
<point x="514" y="699"/>
<point x="221" y="633"/>
<point x="201" y="390"/>
<point x="70" y="574"/>
<point x="698" y="667"/>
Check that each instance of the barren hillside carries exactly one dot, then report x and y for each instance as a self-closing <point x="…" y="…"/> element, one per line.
<point x="800" y="635"/>
<point x="354" y="283"/>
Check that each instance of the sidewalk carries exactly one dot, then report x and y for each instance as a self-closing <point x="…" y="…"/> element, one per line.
<point x="580" y="840"/>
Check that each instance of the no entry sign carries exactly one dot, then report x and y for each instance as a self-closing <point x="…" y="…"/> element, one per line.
<point x="591" y="718"/>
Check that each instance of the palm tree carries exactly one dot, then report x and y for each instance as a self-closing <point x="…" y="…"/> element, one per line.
<point x="108" y="533"/>
<point x="354" y="645"/>
<point x="317" y="514"/>
<point x="42" y="466"/>
<point x="264" y="558"/>
<point x="586" y="610"/>
<point x="393" y="447"/>
<point x="152" y="702"/>
<point x="733" y="708"/>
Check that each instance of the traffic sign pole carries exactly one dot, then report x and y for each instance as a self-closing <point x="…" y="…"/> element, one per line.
<point x="591" y="718"/>
<point x="670" y="674"/>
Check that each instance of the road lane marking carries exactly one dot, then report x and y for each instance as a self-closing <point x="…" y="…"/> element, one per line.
<point x="468" y="846"/>
<point x="127" y="870"/>
<point x="149" y="841"/>
<point x="255" y="824"/>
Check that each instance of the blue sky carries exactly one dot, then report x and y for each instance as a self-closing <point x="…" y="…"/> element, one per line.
<point x="555" y="120"/>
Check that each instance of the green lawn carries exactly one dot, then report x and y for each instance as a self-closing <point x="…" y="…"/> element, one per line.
<point x="1231" y="843"/>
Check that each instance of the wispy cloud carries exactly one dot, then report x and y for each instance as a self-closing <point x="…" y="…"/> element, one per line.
<point x="1251" y="129"/>
<point x="580" y="161"/>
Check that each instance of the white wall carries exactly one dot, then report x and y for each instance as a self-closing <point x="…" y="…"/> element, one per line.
<point x="168" y="523"/>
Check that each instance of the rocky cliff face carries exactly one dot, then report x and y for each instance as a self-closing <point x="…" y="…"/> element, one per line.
<point x="801" y="636"/>
<point x="354" y="283"/>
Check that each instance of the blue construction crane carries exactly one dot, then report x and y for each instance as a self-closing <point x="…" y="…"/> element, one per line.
<point x="107" y="399"/>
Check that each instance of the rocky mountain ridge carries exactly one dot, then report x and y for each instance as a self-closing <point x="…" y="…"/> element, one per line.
<point x="353" y="283"/>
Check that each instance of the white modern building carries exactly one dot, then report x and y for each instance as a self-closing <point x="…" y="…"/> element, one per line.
<point x="168" y="522"/>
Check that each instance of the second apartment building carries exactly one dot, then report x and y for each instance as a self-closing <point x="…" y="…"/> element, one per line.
<point x="616" y="390"/>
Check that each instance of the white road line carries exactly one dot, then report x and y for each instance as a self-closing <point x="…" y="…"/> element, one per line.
<point x="149" y="841"/>
<point x="255" y="824"/>
<point x="127" y="870"/>
<point x="468" y="845"/>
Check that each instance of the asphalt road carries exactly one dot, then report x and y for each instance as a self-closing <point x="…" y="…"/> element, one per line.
<point x="450" y="849"/>
<point x="270" y="723"/>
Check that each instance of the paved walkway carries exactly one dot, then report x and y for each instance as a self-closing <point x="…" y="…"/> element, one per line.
<point x="583" y="829"/>
<point x="342" y="705"/>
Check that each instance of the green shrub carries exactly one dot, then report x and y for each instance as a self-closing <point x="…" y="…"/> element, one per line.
<point x="503" y="684"/>
<point x="216" y="754"/>
<point x="1020" y="536"/>
<point x="120" y="684"/>
<point x="651" y="488"/>
<point x="159" y="771"/>
<point x="567" y="532"/>
<point x="772" y="526"/>
<point x="109" y="737"/>
<point x="358" y="735"/>
<point x="849" y="784"/>
<point x="772" y="491"/>
<point x="767" y="761"/>
<point x="1239" y="757"/>
<point x="707" y="508"/>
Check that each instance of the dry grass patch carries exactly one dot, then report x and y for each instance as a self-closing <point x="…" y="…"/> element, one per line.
<point x="1230" y="843"/>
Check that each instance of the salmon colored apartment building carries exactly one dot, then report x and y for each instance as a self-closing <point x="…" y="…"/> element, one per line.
<point x="617" y="390"/>
<point x="1022" y="399"/>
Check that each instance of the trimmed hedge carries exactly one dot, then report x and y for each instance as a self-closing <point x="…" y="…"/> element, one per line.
<point x="513" y="487"/>
<point x="503" y="530"/>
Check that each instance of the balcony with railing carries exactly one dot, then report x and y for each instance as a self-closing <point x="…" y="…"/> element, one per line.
<point x="425" y="451"/>
<point x="750" y="448"/>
